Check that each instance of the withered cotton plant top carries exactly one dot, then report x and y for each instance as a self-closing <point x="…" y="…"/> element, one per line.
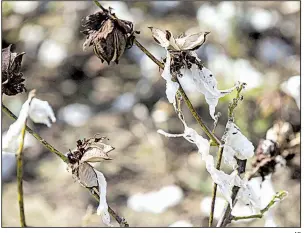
<point x="109" y="36"/>
<point x="12" y="81"/>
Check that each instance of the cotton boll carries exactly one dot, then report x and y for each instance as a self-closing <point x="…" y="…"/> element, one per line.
<point x="41" y="112"/>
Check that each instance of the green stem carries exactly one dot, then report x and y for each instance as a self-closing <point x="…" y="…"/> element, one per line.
<point x="20" y="177"/>
<point x="120" y="220"/>
<point x="218" y="166"/>
<point x="278" y="197"/>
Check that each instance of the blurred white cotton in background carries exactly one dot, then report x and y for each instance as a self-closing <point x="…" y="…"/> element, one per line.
<point x="219" y="206"/>
<point x="124" y="102"/>
<point x="292" y="88"/>
<point x="75" y="114"/>
<point x="262" y="19"/>
<point x="51" y="53"/>
<point x="24" y="7"/>
<point x="181" y="223"/>
<point x="157" y="201"/>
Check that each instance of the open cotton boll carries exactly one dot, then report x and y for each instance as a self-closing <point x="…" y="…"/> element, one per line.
<point x="171" y="87"/>
<point x="228" y="154"/>
<point x="41" y="112"/>
<point x="206" y="84"/>
<point x="243" y="148"/>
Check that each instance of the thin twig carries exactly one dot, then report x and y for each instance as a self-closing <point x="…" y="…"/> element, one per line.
<point x="231" y="109"/>
<point x="120" y="220"/>
<point x="278" y="197"/>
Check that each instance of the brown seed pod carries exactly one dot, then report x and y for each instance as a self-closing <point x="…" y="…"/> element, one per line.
<point x="109" y="36"/>
<point x="12" y="81"/>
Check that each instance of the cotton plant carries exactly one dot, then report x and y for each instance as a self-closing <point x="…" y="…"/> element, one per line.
<point x="180" y="59"/>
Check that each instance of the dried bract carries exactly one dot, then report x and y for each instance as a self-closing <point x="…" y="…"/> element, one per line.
<point x="90" y="150"/>
<point x="109" y="36"/>
<point x="12" y="81"/>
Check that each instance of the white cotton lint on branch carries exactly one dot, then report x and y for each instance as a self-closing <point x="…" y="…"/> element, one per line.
<point x="234" y="139"/>
<point x="41" y="112"/>
<point x="10" y="142"/>
<point x="171" y="87"/>
<point x="102" y="209"/>
<point x="156" y="201"/>
<point x="191" y="136"/>
<point x="206" y="83"/>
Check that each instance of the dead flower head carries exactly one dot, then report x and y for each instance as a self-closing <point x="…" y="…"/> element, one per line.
<point x="12" y="81"/>
<point x="90" y="150"/>
<point x="108" y="35"/>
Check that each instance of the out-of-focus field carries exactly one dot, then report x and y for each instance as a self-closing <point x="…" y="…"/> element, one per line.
<point x="254" y="42"/>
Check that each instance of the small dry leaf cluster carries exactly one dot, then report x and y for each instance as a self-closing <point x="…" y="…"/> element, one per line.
<point x="108" y="35"/>
<point x="12" y="81"/>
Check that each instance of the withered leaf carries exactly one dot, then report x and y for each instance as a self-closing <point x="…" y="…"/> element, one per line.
<point x="87" y="176"/>
<point x="97" y="152"/>
<point x="108" y="35"/>
<point x="11" y="75"/>
<point x="160" y="37"/>
<point x="192" y="42"/>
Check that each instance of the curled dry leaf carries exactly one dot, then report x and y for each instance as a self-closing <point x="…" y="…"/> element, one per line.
<point x="109" y="36"/>
<point x="12" y="81"/>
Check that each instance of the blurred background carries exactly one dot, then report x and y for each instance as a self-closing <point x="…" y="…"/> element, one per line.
<point x="152" y="180"/>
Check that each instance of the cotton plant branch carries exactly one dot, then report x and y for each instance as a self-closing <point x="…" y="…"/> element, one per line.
<point x="121" y="221"/>
<point x="231" y="108"/>
<point x="212" y="137"/>
<point x="276" y="198"/>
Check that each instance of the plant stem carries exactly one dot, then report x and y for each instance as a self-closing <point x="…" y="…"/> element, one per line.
<point x="278" y="197"/>
<point x="120" y="220"/>
<point x="194" y="113"/>
<point x="218" y="166"/>
<point x="20" y="177"/>
<point x="226" y="216"/>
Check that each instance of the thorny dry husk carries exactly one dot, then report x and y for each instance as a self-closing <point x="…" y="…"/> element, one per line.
<point x="12" y="81"/>
<point x="109" y="36"/>
<point x="278" y="149"/>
